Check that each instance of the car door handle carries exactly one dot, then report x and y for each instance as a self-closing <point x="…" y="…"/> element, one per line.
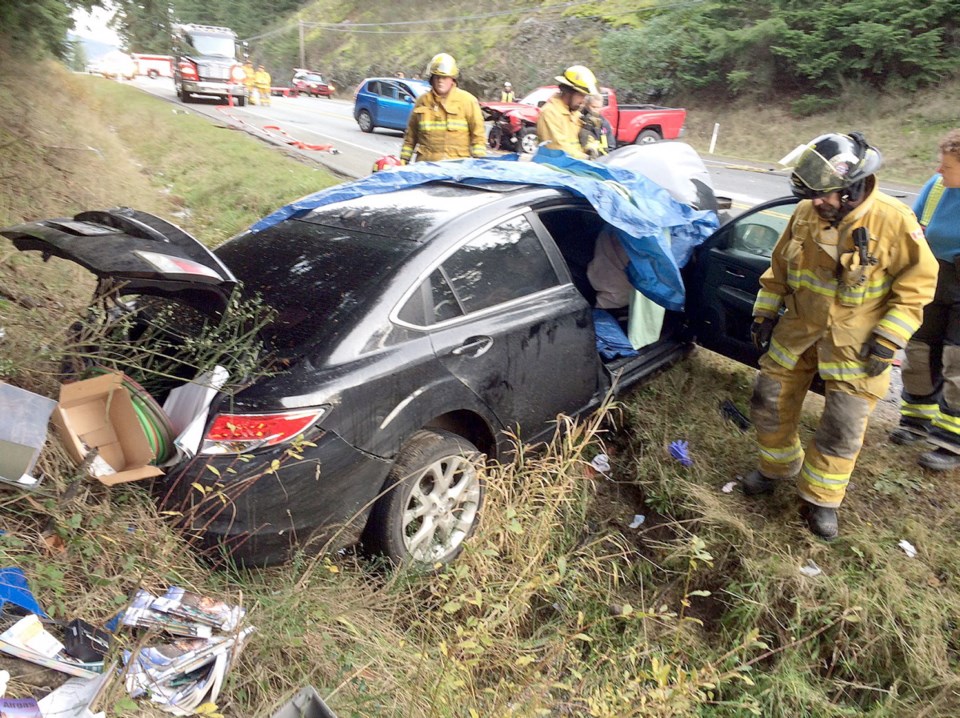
<point x="473" y="346"/>
<point x="732" y="273"/>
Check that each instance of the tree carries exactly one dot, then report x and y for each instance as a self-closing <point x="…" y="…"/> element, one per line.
<point x="40" y="26"/>
<point x="144" y="25"/>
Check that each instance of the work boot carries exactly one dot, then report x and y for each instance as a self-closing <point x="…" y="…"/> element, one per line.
<point x="907" y="435"/>
<point x="939" y="459"/>
<point x="755" y="483"/>
<point x="822" y="522"/>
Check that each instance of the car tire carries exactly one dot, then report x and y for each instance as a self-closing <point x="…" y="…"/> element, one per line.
<point x="365" y="120"/>
<point x="241" y="101"/>
<point x="184" y="96"/>
<point x="647" y="137"/>
<point x="527" y="141"/>
<point x="431" y="503"/>
<point x="153" y="74"/>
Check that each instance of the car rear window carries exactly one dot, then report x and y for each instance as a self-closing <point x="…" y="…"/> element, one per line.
<point x="318" y="279"/>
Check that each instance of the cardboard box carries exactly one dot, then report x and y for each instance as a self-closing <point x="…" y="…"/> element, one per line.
<point x="23" y="432"/>
<point x="99" y="414"/>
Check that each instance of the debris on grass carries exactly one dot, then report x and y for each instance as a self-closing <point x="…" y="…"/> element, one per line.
<point x="811" y="569"/>
<point x="729" y="486"/>
<point x="679" y="450"/>
<point x="638" y="520"/>
<point x="601" y="464"/>
<point x="908" y="548"/>
<point x="731" y="413"/>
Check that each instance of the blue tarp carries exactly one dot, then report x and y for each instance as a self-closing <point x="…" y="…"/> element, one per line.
<point x="639" y="209"/>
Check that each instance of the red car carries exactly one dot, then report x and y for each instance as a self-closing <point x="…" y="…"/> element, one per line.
<point x="515" y="123"/>
<point x="309" y="82"/>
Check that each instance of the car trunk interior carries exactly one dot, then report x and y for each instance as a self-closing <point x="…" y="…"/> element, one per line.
<point x="575" y="231"/>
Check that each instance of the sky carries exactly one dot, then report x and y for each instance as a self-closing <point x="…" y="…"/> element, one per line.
<point x="93" y="24"/>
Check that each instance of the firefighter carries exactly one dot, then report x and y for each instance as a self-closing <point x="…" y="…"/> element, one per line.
<point x="593" y="128"/>
<point x="446" y="123"/>
<point x="852" y="273"/>
<point x="262" y="82"/>
<point x="248" y="77"/>
<point x="930" y="403"/>
<point x="506" y="94"/>
<point x="559" y="123"/>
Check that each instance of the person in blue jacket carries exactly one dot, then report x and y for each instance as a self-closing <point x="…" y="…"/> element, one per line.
<point x="930" y="403"/>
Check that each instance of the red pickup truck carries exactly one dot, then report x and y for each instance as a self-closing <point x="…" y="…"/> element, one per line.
<point x="515" y="123"/>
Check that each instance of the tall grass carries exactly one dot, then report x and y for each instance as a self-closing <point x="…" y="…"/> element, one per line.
<point x="557" y="607"/>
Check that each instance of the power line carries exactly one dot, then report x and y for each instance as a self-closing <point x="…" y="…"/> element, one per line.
<point x="355" y="28"/>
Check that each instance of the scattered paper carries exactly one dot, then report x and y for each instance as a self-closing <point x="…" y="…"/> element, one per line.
<point x="601" y="463"/>
<point x="74" y="698"/>
<point x="908" y="548"/>
<point x="728" y="487"/>
<point x="4" y="679"/>
<point x="811" y="569"/>
<point x="638" y="520"/>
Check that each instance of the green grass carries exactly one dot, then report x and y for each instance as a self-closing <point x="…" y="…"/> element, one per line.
<point x="556" y="606"/>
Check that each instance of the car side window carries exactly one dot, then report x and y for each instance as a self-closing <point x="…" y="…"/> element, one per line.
<point x="505" y="262"/>
<point x="373" y="87"/>
<point x="390" y="91"/>
<point x="757" y="233"/>
<point x="432" y="302"/>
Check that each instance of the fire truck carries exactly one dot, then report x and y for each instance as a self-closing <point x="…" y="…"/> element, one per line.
<point x="153" y="66"/>
<point x="205" y="63"/>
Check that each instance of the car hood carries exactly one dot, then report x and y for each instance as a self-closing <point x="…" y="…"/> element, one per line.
<point x="136" y="250"/>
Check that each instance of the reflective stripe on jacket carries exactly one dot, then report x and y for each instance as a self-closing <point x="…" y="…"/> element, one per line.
<point x="444" y="128"/>
<point x="559" y="127"/>
<point x="840" y="301"/>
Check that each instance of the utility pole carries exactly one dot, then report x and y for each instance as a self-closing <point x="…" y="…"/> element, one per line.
<point x="303" y="62"/>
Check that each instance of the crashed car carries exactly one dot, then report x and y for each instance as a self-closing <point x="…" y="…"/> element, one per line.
<point x="420" y="314"/>
<point x="309" y="82"/>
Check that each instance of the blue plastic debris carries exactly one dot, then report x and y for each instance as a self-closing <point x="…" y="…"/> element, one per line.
<point x="679" y="450"/>
<point x="14" y="589"/>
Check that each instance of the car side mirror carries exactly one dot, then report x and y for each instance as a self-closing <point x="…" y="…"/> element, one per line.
<point x="406" y="98"/>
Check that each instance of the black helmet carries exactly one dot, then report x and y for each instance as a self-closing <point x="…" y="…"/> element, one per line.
<point x="834" y="163"/>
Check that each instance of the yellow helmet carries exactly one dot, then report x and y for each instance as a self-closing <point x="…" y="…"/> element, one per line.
<point x="580" y="79"/>
<point x="442" y="65"/>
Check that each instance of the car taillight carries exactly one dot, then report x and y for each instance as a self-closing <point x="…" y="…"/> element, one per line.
<point x="173" y="266"/>
<point x="236" y="72"/>
<point x="188" y="69"/>
<point x="240" y="433"/>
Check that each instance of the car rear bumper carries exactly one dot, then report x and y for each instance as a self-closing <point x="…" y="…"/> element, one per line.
<point x="243" y="512"/>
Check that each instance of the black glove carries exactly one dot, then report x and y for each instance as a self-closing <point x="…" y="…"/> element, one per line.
<point x="878" y="355"/>
<point x="760" y="332"/>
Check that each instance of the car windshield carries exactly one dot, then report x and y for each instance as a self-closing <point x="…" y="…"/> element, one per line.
<point x="416" y="88"/>
<point x="318" y="279"/>
<point x="219" y="45"/>
<point x="539" y="96"/>
<point x="312" y="77"/>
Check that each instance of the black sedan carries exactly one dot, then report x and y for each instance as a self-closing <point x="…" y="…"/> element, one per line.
<point x="413" y="328"/>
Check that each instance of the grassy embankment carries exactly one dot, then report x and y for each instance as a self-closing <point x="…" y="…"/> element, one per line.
<point x="556" y="607"/>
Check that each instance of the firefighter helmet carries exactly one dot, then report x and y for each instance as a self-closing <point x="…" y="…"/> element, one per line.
<point x="443" y="65"/>
<point x="580" y="79"/>
<point x="834" y="163"/>
<point x="386" y="162"/>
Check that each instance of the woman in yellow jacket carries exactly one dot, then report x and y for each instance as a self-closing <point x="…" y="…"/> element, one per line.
<point x="846" y="288"/>
<point x="446" y="123"/>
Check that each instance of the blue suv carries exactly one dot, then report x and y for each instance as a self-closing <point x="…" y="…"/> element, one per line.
<point x="386" y="102"/>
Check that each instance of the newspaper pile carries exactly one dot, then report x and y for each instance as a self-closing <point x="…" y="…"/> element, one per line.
<point x="186" y="672"/>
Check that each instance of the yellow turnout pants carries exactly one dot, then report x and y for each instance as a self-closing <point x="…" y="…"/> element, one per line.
<point x="823" y="470"/>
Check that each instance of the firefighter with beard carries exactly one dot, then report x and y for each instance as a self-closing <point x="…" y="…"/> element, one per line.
<point x="559" y="123"/>
<point x="446" y="123"/>
<point x="845" y="289"/>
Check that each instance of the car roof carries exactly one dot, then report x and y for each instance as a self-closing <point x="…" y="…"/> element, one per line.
<point x="417" y="213"/>
<point x="411" y="80"/>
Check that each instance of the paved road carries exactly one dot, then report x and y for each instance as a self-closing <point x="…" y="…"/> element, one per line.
<point x="316" y="120"/>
